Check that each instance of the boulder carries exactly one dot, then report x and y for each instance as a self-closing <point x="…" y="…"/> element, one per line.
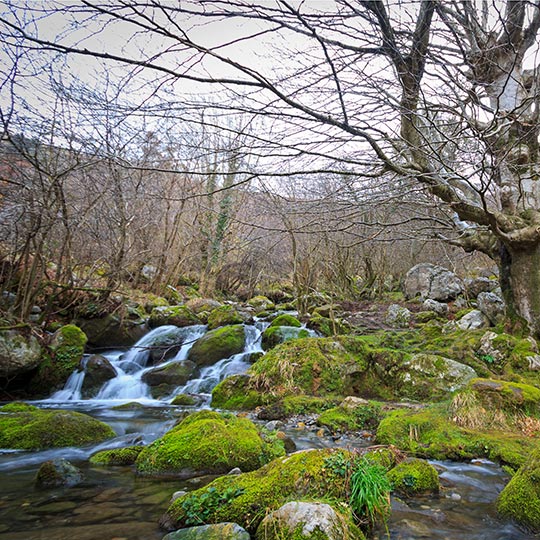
<point x="57" y="473"/>
<point x="175" y="315"/>
<point x="98" y="371"/>
<point x="223" y="316"/>
<point x="208" y="442"/>
<point x="440" y="308"/>
<point x="166" y="345"/>
<point x="492" y="306"/>
<point x="216" y="531"/>
<point x="112" y="330"/>
<point x="26" y="427"/>
<point x="475" y="286"/>
<point x="286" y="320"/>
<point x="473" y="320"/>
<point x="430" y="281"/>
<point x="261" y="303"/>
<point x="173" y="374"/>
<point x="218" y="344"/>
<point x="274" y="335"/>
<point x="18" y="353"/>
<point x="413" y="477"/>
<point x="398" y="316"/>
<point x="303" y="520"/>
<point x="200" y="305"/>
<point x="117" y="456"/>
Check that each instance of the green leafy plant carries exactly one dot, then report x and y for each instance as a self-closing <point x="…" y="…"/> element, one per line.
<point x="199" y="507"/>
<point x="370" y="492"/>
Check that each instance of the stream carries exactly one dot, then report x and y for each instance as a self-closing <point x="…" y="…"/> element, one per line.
<point x="112" y="503"/>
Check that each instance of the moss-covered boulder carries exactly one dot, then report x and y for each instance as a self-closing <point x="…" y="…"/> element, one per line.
<point x="170" y="376"/>
<point x="19" y="353"/>
<point x="298" y="520"/>
<point x="62" y="359"/>
<point x="176" y="315"/>
<point x="414" y="476"/>
<point x="286" y="319"/>
<point x="201" y="305"/>
<point x="218" y="344"/>
<point x="520" y="499"/>
<point x="57" y="473"/>
<point x="327" y="326"/>
<point x="186" y="400"/>
<point x="236" y="393"/>
<point x="117" y="456"/>
<point x="217" y="531"/>
<point x="246" y="498"/>
<point x="26" y="427"/>
<point x="208" y="442"/>
<point x="363" y="416"/>
<point x="274" y="335"/>
<point x="112" y="330"/>
<point x="261" y="303"/>
<point x="224" y="316"/>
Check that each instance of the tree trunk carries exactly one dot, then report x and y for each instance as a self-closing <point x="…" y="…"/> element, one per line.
<point x="520" y="283"/>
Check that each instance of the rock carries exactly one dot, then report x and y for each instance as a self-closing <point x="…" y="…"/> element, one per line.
<point x="19" y="353"/>
<point x="274" y="335"/>
<point x="261" y="303"/>
<point x="534" y="362"/>
<point x="112" y="331"/>
<point x="185" y="400"/>
<point x="223" y="316"/>
<point x="473" y="320"/>
<point x="200" y="305"/>
<point x="286" y="320"/>
<point x="26" y="427"/>
<point x="172" y="374"/>
<point x="175" y="315"/>
<point x="178" y="494"/>
<point x="352" y="402"/>
<point x="328" y="327"/>
<point x="340" y="419"/>
<point x="413" y="477"/>
<point x="309" y="520"/>
<point x="440" y="308"/>
<point x="520" y="499"/>
<point x="328" y="310"/>
<point x="98" y="371"/>
<point x="236" y="470"/>
<point x="398" y="316"/>
<point x="507" y="396"/>
<point x="218" y="344"/>
<point x="430" y="281"/>
<point x="489" y="350"/>
<point x="117" y="456"/>
<point x="473" y="287"/>
<point x="215" y="531"/>
<point x="207" y="442"/>
<point x="236" y="393"/>
<point x="274" y="425"/>
<point x="58" y="472"/>
<point x="431" y="376"/>
<point x="492" y="306"/>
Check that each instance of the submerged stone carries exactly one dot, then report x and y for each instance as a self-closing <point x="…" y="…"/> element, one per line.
<point x="58" y="472"/>
<point x="217" y="531"/>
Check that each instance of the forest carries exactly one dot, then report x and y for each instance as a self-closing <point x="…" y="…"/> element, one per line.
<point x="270" y="269"/>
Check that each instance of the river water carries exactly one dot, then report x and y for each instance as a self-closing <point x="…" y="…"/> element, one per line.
<point x="112" y="503"/>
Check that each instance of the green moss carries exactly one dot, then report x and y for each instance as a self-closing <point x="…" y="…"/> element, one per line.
<point x="208" y="442"/>
<point x="274" y="335"/>
<point x="222" y="316"/>
<point x="261" y="303"/>
<point x="236" y="394"/>
<point x="69" y="336"/>
<point x="36" y="429"/>
<point x="184" y="399"/>
<point x="507" y="396"/>
<point x="217" y="344"/>
<point x="307" y="404"/>
<point x="328" y="327"/>
<point x="425" y="316"/>
<point x="18" y="406"/>
<point x="117" y="456"/>
<point x="303" y="474"/>
<point x="414" y="476"/>
<point x="351" y="419"/>
<point x="520" y="499"/>
<point x="286" y="320"/>
<point x="176" y="315"/>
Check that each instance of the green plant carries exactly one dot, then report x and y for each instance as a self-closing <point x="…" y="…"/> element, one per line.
<point x="199" y="507"/>
<point x="370" y="492"/>
<point x="338" y="464"/>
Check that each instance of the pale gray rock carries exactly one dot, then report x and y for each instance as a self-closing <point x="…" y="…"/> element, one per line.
<point x="19" y="353"/>
<point x="434" y="282"/>
<point x="441" y="308"/>
<point x="216" y="531"/>
<point x="473" y="320"/>
<point x="492" y="306"/>
<point x="398" y="316"/>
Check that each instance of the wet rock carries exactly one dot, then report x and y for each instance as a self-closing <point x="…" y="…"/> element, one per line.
<point x="430" y="281"/>
<point x="473" y="320"/>
<point x="58" y="472"/>
<point x="19" y="353"/>
<point x="274" y="335"/>
<point x="98" y="371"/>
<point x="492" y="306"/>
<point x="218" y="344"/>
<point x="173" y="374"/>
<point x="216" y="531"/>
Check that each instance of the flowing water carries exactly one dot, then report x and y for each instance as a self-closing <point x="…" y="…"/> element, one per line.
<point x="112" y="503"/>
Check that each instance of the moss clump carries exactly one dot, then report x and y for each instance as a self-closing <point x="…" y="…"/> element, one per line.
<point x="176" y="315"/>
<point x="308" y="404"/>
<point x="351" y="419"/>
<point x="236" y="394"/>
<point x="18" y="406"/>
<point x="303" y="474"/>
<point x="261" y="303"/>
<point x="184" y="399"/>
<point x="211" y="443"/>
<point x="414" y="476"/>
<point x="117" y="456"/>
<point x="286" y="320"/>
<point x="328" y="327"/>
<point x="69" y="336"/>
<point x="274" y="335"/>
<point x="520" y="499"/>
<point x="36" y="429"/>
<point x="218" y="344"/>
<point x="223" y="316"/>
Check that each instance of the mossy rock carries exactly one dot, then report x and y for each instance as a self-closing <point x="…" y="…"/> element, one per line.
<point x="426" y="316"/>
<point x="223" y="316"/>
<point x="328" y="327"/>
<point x="185" y="400"/>
<point x="19" y="353"/>
<point x="313" y="366"/>
<point x="38" y="429"/>
<point x="176" y="315"/>
<point x="235" y="394"/>
<point x="261" y="303"/>
<point x="217" y="531"/>
<point x="520" y="499"/>
<point x="351" y="419"/>
<point x="413" y="477"/>
<point x="112" y="330"/>
<point x="57" y="473"/>
<point x="173" y="374"/>
<point x="274" y="335"/>
<point x="199" y="305"/>
<point x="286" y="320"/>
<point x="218" y="344"/>
<point x="431" y="433"/>
<point x="65" y="353"/>
<point x="208" y="442"/>
<point x="246" y="498"/>
<point x="117" y="456"/>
